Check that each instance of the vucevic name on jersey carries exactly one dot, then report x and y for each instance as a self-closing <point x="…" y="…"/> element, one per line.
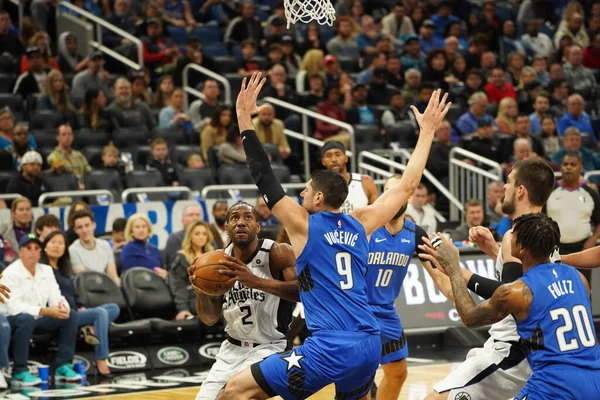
<point x="253" y="315"/>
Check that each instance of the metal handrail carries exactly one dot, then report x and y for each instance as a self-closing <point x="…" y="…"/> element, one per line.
<point x="473" y="168"/>
<point x="221" y="188"/>
<point x="207" y="72"/>
<point x="163" y="189"/>
<point x="77" y="193"/>
<point x="476" y="157"/>
<point x="10" y="196"/>
<point x="393" y="164"/>
<point x="101" y="23"/>
<point x="308" y="113"/>
<point x="589" y="174"/>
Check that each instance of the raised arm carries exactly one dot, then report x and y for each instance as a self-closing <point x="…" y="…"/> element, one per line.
<point x="586" y="259"/>
<point x="291" y="214"/>
<point x="385" y="207"/>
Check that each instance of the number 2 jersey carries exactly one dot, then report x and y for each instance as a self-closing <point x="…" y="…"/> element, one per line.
<point x="389" y="259"/>
<point x="331" y="275"/>
<point x="253" y="315"/>
<point x="559" y="329"/>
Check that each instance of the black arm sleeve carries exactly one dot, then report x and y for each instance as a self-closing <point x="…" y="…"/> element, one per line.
<point x="419" y="233"/>
<point x="260" y="167"/>
<point x="511" y="271"/>
<point x="484" y="287"/>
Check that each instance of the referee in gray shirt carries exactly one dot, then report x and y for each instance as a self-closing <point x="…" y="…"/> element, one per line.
<point x="576" y="209"/>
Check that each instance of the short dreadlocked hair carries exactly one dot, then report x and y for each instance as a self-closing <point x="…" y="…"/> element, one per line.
<point x="537" y="233"/>
<point x="242" y="203"/>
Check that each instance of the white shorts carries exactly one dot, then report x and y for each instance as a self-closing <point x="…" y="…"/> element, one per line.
<point x="232" y="359"/>
<point x="497" y="371"/>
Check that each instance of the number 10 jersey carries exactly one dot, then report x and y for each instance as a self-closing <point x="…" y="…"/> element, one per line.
<point x="253" y="315"/>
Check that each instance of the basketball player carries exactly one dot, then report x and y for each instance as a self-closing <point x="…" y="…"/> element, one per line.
<point x="332" y="252"/>
<point x="361" y="188"/>
<point x="390" y="251"/>
<point x="499" y="370"/>
<point x="258" y="309"/>
<point x="551" y="306"/>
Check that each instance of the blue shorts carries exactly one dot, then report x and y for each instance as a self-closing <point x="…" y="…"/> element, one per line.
<point x="562" y="383"/>
<point x="394" y="346"/>
<point x="347" y="359"/>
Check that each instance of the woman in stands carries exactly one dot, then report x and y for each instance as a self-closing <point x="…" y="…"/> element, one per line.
<point x="93" y="113"/>
<point x="215" y="133"/>
<point x="138" y="252"/>
<point x="196" y="242"/>
<point x="55" y="96"/>
<point x="173" y="115"/>
<point x="550" y="138"/>
<point x="164" y="90"/>
<point x="507" y="115"/>
<point x="94" y="322"/>
<point x="70" y="233"/>
<point x="19" y="225"/>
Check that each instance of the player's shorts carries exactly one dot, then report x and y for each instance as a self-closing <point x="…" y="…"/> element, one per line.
<point x="498" y="370"/>
<point x="394" y="346"/>
<point x="562" y="383"/>
<point x="348" y="359"/>
<point x="232" y="359"/>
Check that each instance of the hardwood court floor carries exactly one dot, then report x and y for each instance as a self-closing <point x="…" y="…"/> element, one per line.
<point x="418" y="384"/>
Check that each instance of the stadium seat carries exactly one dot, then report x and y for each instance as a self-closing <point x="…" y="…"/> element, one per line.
<point x="454" y="113"/>
<point x="367" y="137"/>
<point x="14" y="102"/>
<point x="326" y="34"/>
<point x="235" y="80"/>
<point x="141" y="156"/>
<point x="94" y="156"/>
<point x="178" y="34"/>
<point x="127" y="137"/>
<point x="402" y="133"/>
<point x="492" y="109"/>
<point x="180" y="153"/>
<point x="8" y="65"/>
<point x="46" y="119"/>
<point x="208" y="34"/>
<point x="60" y="182"/>
<point x="215" y="50"/>
<point x="7" y="82"/>
<point x="5" y="177"/>
<point x="273" y="151"/>
<point x="235" y="175"/>
<point x="95" y="288"/>
<point x="137" y="179"/>
<point x="196" y="179"/>
<point x="88" y="137"/>
<point x="226" y="64"/>
<point x="171" y="135"/>
<point x="45" y="137"/>
<point x="104" y="179"/>
<point x="149" y="297"/>
<point x="281" y="172"/>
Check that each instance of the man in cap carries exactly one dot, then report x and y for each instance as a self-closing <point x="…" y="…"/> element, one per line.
<point x="12" y="154"/>
<point x="413" y="56"/>
<point x="92" y="77"/>
<point x="36" y="303"/>
<point x="32" y="81"/>
<point x="378" y="93"/>
<point x="361" y="188"/>
<point x="28" y="182"/>
<point x="426" y="38"/>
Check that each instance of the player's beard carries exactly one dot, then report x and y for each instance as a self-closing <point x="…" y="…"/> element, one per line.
<point x="243" y="243"/>
<point x="509" y="207"/>
<point x="401" y="211"/>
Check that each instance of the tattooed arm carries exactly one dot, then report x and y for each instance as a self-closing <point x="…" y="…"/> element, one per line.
<point x="513" y="298"/>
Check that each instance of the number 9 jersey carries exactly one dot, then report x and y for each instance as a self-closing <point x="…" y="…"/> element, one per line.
<point x="389" y="259"/>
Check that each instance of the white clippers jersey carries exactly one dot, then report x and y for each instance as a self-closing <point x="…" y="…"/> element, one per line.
<point x="253" y="315"/>
<point x="506" y="330"/>
<point x="357" y="198"/>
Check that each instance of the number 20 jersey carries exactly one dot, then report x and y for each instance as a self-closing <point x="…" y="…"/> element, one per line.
<point x="253" y="315"/>
<point x="389" y="259"/>
<point x="331" y="275"/>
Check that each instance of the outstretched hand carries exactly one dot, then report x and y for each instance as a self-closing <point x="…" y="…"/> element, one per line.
<point x="246" y="101"/>
<point x="434" y="114"/>
<point x="444" y="255"/>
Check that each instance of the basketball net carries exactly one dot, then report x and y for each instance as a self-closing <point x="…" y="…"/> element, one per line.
<point x="321" y="11"/>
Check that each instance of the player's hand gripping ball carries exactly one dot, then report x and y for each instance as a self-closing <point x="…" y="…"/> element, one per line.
<point x="206" y="274"/>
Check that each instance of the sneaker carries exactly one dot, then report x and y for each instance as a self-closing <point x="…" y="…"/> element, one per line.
<point x="66" y="373"/>
<point x="25" y="379"/>
<point x="3" y="384"/>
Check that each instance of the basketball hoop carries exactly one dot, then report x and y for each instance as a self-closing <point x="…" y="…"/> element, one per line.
<point x="321" y="11"/>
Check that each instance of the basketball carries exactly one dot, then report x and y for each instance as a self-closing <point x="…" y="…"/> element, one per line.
<point x="207" y="276"/>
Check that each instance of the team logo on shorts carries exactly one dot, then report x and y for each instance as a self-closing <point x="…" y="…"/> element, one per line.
<point x="293" y="360"/>
<point x="463" y="396"/>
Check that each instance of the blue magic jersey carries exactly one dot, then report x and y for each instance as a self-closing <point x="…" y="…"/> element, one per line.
<point x="331" y="275"/>
<point x="389" y="258"/>
<point x="559" y="330"/>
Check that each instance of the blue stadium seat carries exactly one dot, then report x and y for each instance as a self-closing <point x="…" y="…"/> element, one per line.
<point x="208" y="34"/>
<point x="326" y="34"/>
<point x="178" y="34"/>
<point x="216" y="49"/>
<point x="226" y="64"/>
